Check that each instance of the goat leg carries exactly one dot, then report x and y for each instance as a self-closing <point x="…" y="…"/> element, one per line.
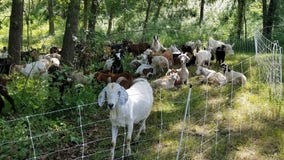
<point x="129" y="134"/>
<point x="114" y="132"/>
<point x="142" y="128"/>
<point x="9" y="99"/>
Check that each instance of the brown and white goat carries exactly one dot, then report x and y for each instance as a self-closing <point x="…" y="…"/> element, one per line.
<point x="167" y="54"/>
<point x="166" y="82"/>
<point x="107" y="77"/>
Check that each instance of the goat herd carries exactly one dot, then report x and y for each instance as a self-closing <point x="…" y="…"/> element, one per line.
<point x="129" y="96"/>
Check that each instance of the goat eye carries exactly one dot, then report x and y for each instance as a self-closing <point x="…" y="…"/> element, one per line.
<point x="119" y="93"/>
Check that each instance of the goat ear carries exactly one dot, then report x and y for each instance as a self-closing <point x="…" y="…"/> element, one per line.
<point x="101" y="97"/>
<point x="123" y="96"/>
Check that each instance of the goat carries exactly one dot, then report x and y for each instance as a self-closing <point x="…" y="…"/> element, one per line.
<point x="203" y="57"/>
<point x="213" y="44"/>
<point x="39" y="67"/>
<point x="211" y="76"/>
<point x="135" y="63"/>
<point x="117" y="66"/>
<point x="127" y="107"/>
<point x="160" y="64"/>
<point x="220" y="54"/>
<point x="178" y="81"/>
<point x="33" y="68"/>
<point x="175" y="52"/>
<point x="30" y="55"/>
<point x="54" y="50"/>
<point x="135" y="49"/>
<point x="183" y="71"/>
<point x="166" y="82"/>
<point x="191" y="46"/>
<point x="156" y="45"/>
<point x="4" y="93"/>
<point x="79" y="77"/>
<point x="233" y="76"/>
<point x="59" y="79"/>
<point x="111" y="77"/>
<point x="4" y="53"/>
<point x="49" y="56"/>
<point x="145" y="70"/>
<point x="167" y="54"/>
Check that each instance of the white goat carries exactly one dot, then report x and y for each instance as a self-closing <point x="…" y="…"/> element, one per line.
<point x="174" y="49"/>
<point x="202" y="57"/>
<point x="39" y="67"/>
<point x="127" y="107"/>
<point x="233" y="76"/>
<point x="156" y="45"/>
<point x="211" y="76"/>
<point x="183" y="71"/>
<point x="214" y="44"/>
<point x="160" y="64"/>
<point x="33" y="68"/>
<point x="166" y="82"/>
<point x="194" y="45"/>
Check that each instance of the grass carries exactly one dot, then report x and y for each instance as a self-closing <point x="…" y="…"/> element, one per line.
<point x="234" y="122"/>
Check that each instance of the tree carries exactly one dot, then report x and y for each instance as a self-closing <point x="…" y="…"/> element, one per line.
<point x="149" y="2"/>
<point x="202" y="3"/>
<point x="50" y="17"/>
<point x="16" y="31"/>
<point x="71" y="28"/>
<point x="93" y="18"/>
<point x="269" y="16"/>
<point x="159" y="3"/>
<point x="240" y="18"/>
<point x="112" y="8"/>
<point x="85" y="14"/>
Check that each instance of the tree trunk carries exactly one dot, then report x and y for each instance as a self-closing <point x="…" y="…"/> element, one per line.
<point x="109" y="23"/>
<point x="271" y="14"/>
<point x="240" y="18"/>
<point x="71" y="28"/>
<point x="146" y="20"/>
<point x="157" y="13"/>
<point x="16" y="31"/>
<point x="202" y="3"/>
<point x="264" y="16"/>
<point x="50" y="17"/>
<point x="85" y="14"/>
<point x="93" y="19"/>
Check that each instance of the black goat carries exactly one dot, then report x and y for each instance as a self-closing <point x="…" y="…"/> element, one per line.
<point x="59" y="79"/>
<point x="30" y="55"/>
<point x="220" y="54"/>
<point x="117" y="66"/>
<point x="4" y="93"/>
<point x="187" y="49"/>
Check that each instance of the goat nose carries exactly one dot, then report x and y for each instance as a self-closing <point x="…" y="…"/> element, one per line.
<point x="110" y="105"/>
